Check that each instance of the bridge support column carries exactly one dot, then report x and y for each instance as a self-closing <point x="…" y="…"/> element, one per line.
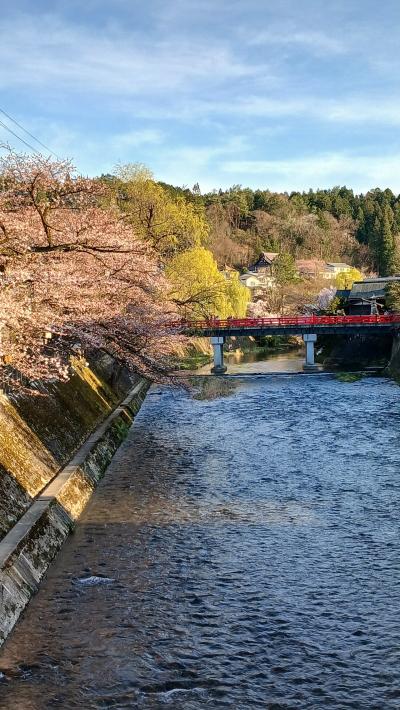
<point x="218" y="345"/>
<point x="309" y="365"/>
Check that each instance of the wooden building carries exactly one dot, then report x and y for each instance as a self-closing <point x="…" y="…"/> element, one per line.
<point x="368" y="297"/>
<point x="264" y="263"/>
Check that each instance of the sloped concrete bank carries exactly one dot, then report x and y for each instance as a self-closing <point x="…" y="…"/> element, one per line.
<point x="45" y="521"/>
<point x="40" y="433"/>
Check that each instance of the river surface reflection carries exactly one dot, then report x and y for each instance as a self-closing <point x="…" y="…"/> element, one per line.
<point x="260" y="362"/>
<point x="240" y="553"/>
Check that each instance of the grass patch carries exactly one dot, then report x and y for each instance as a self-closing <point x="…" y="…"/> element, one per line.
<point x="212" y="387"/>
<point x="348" y="376"/>
<point x="192" y="362"/>
<point x="277" y="343"/>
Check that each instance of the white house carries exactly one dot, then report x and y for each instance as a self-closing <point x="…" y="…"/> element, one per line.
<point x="332" y="269"/>
<point x="257" y="281"/>
<point x="250" y="280"/>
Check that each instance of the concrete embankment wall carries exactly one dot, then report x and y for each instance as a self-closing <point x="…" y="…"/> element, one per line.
<point x="54" y="448"/>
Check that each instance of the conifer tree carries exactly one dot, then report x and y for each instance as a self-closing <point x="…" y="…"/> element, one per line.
<point x="361" y="229"/>
<point x="387" y="244"/>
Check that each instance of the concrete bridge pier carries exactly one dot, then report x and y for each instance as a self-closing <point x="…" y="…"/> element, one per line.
<point x="218" y="345"/>
<point x="309" y="365"/>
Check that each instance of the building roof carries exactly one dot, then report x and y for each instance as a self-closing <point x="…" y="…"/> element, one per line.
<point x="265" y="259"/>
<point x="379" y="279"/>
<point x="338" y="264"/>
<point x="371" y="288"/>
<point x="309" y="265"/>
<point x="270" y="255"/>
<point x="342" y="293"/>
<point x="367" y="291"/>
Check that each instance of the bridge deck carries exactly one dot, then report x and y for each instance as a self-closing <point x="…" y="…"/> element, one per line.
<point x="291" y="325"/>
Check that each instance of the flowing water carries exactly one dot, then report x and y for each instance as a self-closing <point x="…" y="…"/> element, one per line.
<point x="241" y="552"/>
<point x="260" y="362"/>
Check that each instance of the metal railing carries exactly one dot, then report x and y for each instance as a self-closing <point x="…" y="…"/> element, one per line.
<point x="283" y="321"/>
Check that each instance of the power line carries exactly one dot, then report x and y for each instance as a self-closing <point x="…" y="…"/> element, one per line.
<point x="19" y="137"/>
<point x="46" y="147"/>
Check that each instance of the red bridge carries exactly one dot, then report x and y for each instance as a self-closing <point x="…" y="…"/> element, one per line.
<point x="307" y="326"/>
<point x="290" y="325"/>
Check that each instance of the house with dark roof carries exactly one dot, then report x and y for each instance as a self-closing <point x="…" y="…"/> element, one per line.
<point x="264" y="263"/>
<point x="369" y="296"/>
<point x="306" y="268"/>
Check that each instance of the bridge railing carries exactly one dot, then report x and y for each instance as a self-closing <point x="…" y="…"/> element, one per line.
<point x="283" y="321"/>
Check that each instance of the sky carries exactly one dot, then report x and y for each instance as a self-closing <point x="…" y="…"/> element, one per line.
<point x="277" y="94"/>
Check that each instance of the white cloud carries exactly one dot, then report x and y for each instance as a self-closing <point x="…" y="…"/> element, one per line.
<point x="339" y="110"/>
<point x="372" y="110"/>
<point x="169" y="77"/>
<point x="134" y="139"/>
<point x="220" y="80"/>
<point x="316" y="42"/>
<point x="45" y="52"/>
<point x="185" y="165"/>
<point x="359" y="171"/>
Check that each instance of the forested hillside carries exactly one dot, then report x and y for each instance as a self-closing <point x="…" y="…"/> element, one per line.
<point x="330" y="224"/>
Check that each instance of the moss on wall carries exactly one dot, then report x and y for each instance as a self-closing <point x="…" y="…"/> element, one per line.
<point x="30" y="547"/>
<point x="40" y="432"/>
<point x="14" y="500"/>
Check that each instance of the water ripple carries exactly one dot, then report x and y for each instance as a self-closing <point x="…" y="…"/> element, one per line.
<point x="240" y="553"/>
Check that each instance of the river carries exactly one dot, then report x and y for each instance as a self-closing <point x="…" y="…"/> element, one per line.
<point x="241" y="552"/>
<point x="260" y="362"/>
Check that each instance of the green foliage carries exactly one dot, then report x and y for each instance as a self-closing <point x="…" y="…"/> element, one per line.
<point x="393" y="296"/>
<point x="238" y="296"/>
<point x="335" y="305"/>
<point x="165" y="219"/>
<point x="201" y="291"/>
<point x="346" y="279"/>
<point x="386" y="244"/>
<point x="330" y="224"/>
<point x="276" y="342"/>
<point x="192" y="362"/>
<point x="348" y="376"/>
<point x="285" y="269"/>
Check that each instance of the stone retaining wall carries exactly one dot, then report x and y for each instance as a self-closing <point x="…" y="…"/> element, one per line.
<point x="29" y="546"/>
<point x="40" y="432"/>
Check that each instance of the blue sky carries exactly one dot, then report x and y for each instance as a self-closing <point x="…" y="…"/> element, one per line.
<point x="275" y="94"/>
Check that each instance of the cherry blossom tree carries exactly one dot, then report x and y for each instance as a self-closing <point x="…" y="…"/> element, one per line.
<point x="73" y="275"/>
<point x="325" y="298"/>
